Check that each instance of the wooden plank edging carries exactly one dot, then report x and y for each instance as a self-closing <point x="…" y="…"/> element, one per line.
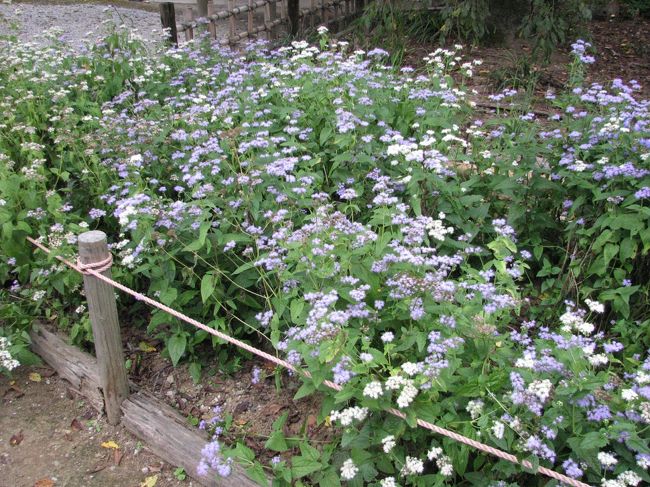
<point x="162" y="428"/>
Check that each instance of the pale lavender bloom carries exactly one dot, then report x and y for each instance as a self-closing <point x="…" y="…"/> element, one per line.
<point x="255" y="379"/>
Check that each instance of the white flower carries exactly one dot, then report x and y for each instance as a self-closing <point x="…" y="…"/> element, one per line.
<point x="6" y="360"/>
<point x="2" y="202"/>
<point x="347" y="416"/>
<point x="643" y="462"/>
<point x="388" y="443"/>
<point x="595" y="306"/>
<point x="410" y="368"/>
<point x="322" y="30"/>
<point x="434" y="453"/>
<point x="38" y="295"/>
<point x="498" y="428"/>
<point x="80" y="309"/>
<point x="642" y="378"/>
<point x="475" y="408"/>
<point x="373" y="390"/>
<point x="607" y="459"/>
<point x="541" y="389"/>
<point x="629" y="395"/>
<point x="135" y="159"/>
<point x="395" y="382"/>
<point x="348" y="470"/>
<point x="365" y="357"/>
<point x="598" y="359"/>
<point x="412" y="465"/>
<point x="387" y="337"/>
<point x="388" y="482"/>
<point x="407" y="395"/>
<point x="445" y="466"/>
<point x="629" y="478"/>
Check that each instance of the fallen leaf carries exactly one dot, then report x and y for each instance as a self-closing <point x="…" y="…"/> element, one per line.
<point x="145" y="347"/>
<point x="149" y="481"/>
<point x="15" y="390"/>
<point x="35" y="377"/>
<point x="155" y="468"/>
<point x="44" y="483"/>
<point x="110" y="444"/>
<point x="95" y="469"/>
<point x="16" y="439"/>
<point x="117" y="457"/>
<point x="76" y="425"/>
<point x="47" y="372"/>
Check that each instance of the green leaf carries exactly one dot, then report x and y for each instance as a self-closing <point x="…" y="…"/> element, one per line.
<point x="296" y="308"/>
<point x="301" y="466"/>
<point x="195" y="372"/>
<point x="276" y="442"/>
<point x="208" y="284"/>
<point x="176" y="347"/>
<point x="256" y="474"/>
<point x="593" y="440"/>
<point x="198" y="243"/>
<point x="305" y="390"/>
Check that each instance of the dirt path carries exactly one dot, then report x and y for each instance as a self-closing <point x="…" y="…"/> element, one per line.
<point x="48" y="435"/>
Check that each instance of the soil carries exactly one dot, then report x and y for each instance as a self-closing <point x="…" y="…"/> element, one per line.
<point x="49" y="436"/>
<point x="60" y="437"/>
<point x="251" y="408"/>
<point x="621" y="51"/>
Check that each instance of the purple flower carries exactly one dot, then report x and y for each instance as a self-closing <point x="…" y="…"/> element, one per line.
<point x="572" y="469"/>
<point x="643" y="193"/>
<point x="341" y="372"/>
<point x="255" y="379"/>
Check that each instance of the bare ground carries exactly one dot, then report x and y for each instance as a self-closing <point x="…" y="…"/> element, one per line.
<point x="49" y="436"/>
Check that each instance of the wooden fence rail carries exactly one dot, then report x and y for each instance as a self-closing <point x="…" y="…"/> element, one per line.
<point x="275" y="13"/>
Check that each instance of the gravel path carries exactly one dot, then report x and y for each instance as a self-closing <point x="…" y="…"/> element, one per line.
<point x="80" y="22"/>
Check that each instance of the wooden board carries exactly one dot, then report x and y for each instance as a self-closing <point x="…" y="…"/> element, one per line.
<point x="162" y="428"/>
<point x="165" y="432"/>
<point x="77" y="367"/>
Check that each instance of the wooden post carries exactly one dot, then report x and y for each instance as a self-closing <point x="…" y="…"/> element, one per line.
<point x="168" y="21"/>
<point x="231" y="7"/>
<point x="212" y="27"/>
<point x="251" y="19"/>
<point x="270" y="15"/>
<point x="202" y="13"/>
<point x="293" y="9"/>
<point x="106" y="328"/>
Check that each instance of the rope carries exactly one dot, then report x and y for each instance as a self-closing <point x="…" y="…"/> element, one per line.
<point x="89" y="269"/>
<point x="99" y="266"/>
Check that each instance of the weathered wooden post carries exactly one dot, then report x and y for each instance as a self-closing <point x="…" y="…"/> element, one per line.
<point x="293" y="9"/>
<point x="212" y="27"/>
<point x="202" y="13"/>
<point x="168" y="21"/>
<point x="93" y="252"/>
<point x="270" y="15"/>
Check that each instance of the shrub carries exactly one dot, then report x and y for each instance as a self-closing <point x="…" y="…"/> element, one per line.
<point x="366" y="223"/>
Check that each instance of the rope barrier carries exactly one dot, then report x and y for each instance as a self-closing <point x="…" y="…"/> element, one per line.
<point x="99" y="266"/>
<point x="96" y="268"/>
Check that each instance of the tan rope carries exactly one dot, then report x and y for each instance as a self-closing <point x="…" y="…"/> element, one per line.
<point x="89" y="269"/>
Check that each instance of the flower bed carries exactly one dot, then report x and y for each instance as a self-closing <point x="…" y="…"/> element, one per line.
<point x="484" y="274"/>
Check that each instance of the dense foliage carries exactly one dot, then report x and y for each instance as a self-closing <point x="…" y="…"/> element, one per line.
<point x="485" y="272"/>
